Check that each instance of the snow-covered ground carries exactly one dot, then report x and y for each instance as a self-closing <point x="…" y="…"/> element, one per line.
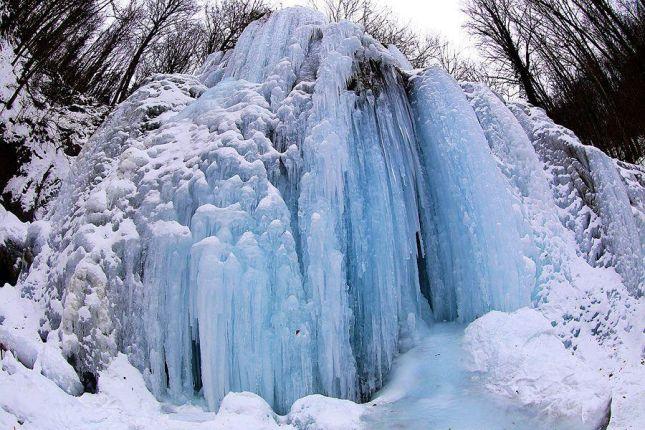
<point x="39" y="390"/>
<point x="431" y="388"/>
<point x="31" y="401"/>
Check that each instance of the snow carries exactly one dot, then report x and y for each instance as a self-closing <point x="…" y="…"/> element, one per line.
<point x="231" y="248"/>
<point x="19" y="334"/>
<point x="594" y="198"/>
<point x="318" y="412"/>
<point x="432" y="387"/>
<point x="520" y="356"/>
<point x="11" y="228"/>
<point x="123" y="401"/>
<point x="455" y="397"/>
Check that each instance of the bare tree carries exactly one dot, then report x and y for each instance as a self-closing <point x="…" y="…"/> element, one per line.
<point x="382" y="24"/>
<point x="497" y="24"/>
<point x="160" y="17"/>
<point x="48" y="35"/>
<point x="176" y="52"/>
<point x="105" y="57"/>
<point x="226" y="19"/>
<point x="581" y="60"/>
<point x="451" y="60"/>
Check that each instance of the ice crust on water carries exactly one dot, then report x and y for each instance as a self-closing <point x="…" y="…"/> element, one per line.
<point x="282" y="224"/>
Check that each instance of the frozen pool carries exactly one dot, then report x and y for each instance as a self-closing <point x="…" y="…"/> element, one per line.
<point x="430" y="389"/>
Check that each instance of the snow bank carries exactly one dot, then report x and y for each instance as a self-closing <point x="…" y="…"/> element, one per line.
<point x="11" y="228"/>
<point x="12" y="241"/>
<point x="19" y="335"/>
<point x="520" y="357"/>
<point x="123" y="401"/>
<point x="318" y="412"/>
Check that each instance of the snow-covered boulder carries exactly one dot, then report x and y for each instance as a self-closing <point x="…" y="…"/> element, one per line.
<point x="19" y="334"/>
<point x="13" y="233"/>
<point x="520" y="357"/>
<point x="246" y="410"/>
<point x="318" y="412"/>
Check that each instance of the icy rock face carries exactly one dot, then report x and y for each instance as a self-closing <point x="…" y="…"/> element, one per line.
<point x="280" y="224"/>
<point x="471" y="208"/>
<point x="93" y="248"/>
<point x="581" y="302"/>
<point x="544" y="243"/>
<point x="600" y="200"/>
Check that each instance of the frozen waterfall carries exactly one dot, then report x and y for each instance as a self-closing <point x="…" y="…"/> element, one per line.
<point x="281" y="223"/>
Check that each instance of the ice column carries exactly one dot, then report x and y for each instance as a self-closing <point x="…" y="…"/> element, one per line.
<point x="474" y="234"/>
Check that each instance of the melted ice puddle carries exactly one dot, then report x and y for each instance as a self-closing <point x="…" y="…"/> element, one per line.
<point x="429" y="388"/>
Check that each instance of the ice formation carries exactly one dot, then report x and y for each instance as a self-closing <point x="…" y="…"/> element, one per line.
<point x="282" y="222"/>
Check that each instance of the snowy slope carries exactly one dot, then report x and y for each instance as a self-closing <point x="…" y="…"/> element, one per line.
<point x="289" y="221"/>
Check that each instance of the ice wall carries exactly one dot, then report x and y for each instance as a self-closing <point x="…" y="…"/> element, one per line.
<point x="281" y="223"/>
<point x="545" y="244"/>
<point x="476" y="262"/>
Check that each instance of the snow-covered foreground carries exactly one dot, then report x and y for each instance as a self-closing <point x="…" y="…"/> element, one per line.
<point x="39" y="390"/>
<point x="28" y="400"/>
<point x="507" y="371"/>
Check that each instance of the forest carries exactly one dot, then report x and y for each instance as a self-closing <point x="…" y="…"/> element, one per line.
<point x="580" y="60"/>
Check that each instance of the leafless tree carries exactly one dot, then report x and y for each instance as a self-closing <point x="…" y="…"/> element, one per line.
<point x="497" y="24"/>
<point x="382" y="24"/>
<point x="177" y="52"/>
<point x="581" y="60"/>
<point x="48" y="34"/>
<point x="225" y="21"/>
<point x="161" y="16"/>
<point x="99" y="68"/>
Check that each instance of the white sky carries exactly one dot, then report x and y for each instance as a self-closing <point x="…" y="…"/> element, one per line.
<point x="435" y="16"/>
